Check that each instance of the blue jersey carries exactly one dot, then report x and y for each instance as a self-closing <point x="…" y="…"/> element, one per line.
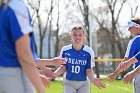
<point x="133" y="48"/>
<point x="137" y="56"/>
<point x="77" y="62"/>
<point x="15" y="22"/>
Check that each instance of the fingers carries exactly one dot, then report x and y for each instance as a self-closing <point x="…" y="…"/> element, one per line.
<point x="99" y="83"/>
<point x="127" y="79"/>
<point x="47" y="72"/>
<point x="102" y="85"/>
<point x="45" y="80"/>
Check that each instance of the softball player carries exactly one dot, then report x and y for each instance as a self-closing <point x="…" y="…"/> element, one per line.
<point x="16" y="36"/>
<point x="79" y="65"/>
<point x="132" y="49"/>
<point x="17" y="53"/>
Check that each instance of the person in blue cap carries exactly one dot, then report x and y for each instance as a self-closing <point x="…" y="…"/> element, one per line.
<point x="132" y="49"/>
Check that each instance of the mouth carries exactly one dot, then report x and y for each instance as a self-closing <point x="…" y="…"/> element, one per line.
<point x="77" y="40"/>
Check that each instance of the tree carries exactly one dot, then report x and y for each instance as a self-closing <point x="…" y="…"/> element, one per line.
<point x="38" y="22"/>
<point x="85" y="13"/>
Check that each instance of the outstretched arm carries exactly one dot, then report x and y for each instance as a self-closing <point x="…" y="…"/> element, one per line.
<point x="95" y="81"/>
<point x="131" y="75"/>
<point x="57" y="61"/>
<point x="113" y="75"/>
<point x="26" y="60"/>
<point x="126" y="64"/>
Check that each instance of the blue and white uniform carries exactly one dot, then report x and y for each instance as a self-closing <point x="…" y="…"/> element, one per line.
<point x="77" y="64"/>
<point x="137" y="56"/>
<point x="15" y="22"/>
<point x="132" y="49"/>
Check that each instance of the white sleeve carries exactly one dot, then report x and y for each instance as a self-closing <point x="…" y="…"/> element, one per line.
<point x="23" y="16"/>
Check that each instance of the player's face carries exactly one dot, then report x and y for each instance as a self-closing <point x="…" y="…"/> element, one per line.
<point x="77" y="35"/>
<point x="133" y="30"/>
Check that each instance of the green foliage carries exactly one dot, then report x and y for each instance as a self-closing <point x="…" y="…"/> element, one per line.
<point x="116" y="87"/>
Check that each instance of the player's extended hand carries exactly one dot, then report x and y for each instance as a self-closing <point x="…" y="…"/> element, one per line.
<point x="112" y="77"/>
<point x="45" y="80"/>
<point x="47" y="72"/>
<point x="98" y="82"/>
<point x="129" y="77"/>
<point x="58" y="61"/>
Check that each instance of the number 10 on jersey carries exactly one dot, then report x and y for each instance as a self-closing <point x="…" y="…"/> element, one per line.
<point x="75" y="69"/>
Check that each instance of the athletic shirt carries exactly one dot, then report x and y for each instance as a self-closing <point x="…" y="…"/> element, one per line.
<point x="137" y="56"/>
<point x="15" y="22"/>
<point x="133" y="48"/>
<point x="77" y="62"/>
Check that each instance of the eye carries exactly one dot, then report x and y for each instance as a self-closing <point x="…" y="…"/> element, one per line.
<point x="74" y="35"/>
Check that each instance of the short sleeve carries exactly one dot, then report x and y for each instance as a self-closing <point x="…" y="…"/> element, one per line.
<point x="131" y="49"/>
<point x="19" y="19"/>
<point x="90" y="63"/>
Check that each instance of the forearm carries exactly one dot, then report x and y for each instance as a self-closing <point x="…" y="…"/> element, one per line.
<point x="116" y="72"/>
<point x="31" y="71"/>
<point x="90" y="74"/>
<point x="27" y="62"/>
<point x="57" y="61"/>
<point x="44" y="62"/>
<point x="133" y="60"/>
<point x="61" y="70"/>
<point x="136" y="71"/>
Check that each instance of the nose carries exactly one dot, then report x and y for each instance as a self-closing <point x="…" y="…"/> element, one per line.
<point x="129" y="28"/>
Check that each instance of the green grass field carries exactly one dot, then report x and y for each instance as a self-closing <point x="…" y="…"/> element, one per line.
<point x="116" y="87"/>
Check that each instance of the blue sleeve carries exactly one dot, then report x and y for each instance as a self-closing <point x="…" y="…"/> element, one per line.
<point x="88" y="66"/>
<point x="131" y="49"/>
<point x="62" y="55"/>
<point x="137" y="56"/>
<point x="90" y="60"/>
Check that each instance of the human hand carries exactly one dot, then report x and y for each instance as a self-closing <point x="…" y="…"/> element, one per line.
<point x="47" y="72"/>
<point x="129" y="77"/>
<point x="99" y="83"/>
<point x="45" y="80"/>
<point x="58" y="61"/>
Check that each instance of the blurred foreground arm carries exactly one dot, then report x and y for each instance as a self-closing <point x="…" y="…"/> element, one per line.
<point x="27" y="62"/>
